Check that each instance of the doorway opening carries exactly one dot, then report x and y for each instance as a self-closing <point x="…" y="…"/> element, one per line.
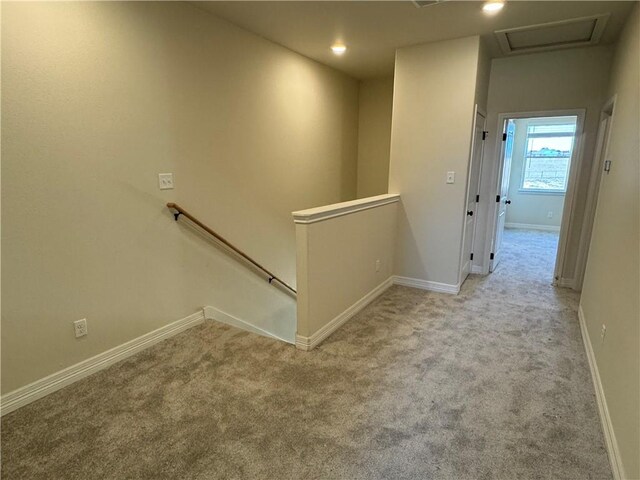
<point x="536" y="174"/>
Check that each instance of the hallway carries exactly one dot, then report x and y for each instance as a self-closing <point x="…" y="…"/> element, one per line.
<point x="492" y="383"/>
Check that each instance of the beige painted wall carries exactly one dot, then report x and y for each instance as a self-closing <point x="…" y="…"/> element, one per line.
<point x="483" y="76"/>
<point x="611" y="291"/>
<point x="565" y="79"/>
<point x="337" y="260"/>
<point x="530" y="208"/>
<point x="374" y="136"/>
<point x="434" y="95"/>
<point x="100" y="97"/>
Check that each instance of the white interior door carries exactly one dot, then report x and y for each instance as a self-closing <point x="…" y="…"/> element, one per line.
<point x="473" y="190"/>
<point x="503" y="192"/>
<point x="594" y="188"/>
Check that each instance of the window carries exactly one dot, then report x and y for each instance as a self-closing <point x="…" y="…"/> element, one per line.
<point x="548" y="149"/>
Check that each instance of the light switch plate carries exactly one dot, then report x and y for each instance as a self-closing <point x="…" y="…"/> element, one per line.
<point x="451" y="177"/>
<point x="165" y="181"/>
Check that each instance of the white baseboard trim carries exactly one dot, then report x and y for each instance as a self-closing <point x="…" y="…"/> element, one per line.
<point x="309" y="343"/>
<point x="528" y="226"/>
<point x="566" y="283"/>
<point x="477" y="269"/>
<point x="615" y="460"/>
<point x="40" y="388"/>
<point x="426" y="285"/>
<point x="212" y="313"/>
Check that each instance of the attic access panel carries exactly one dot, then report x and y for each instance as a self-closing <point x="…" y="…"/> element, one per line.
<point x="426" y="3"/>
<point x="577" y="32"/>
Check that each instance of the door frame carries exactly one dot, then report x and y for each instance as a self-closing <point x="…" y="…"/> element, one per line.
<point x="601" y="153"/>
<point x="569" y="199"/>
<point x="476" y="111"/>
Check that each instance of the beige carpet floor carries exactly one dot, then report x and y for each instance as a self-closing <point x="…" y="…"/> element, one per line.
<point x="490" y="384"/>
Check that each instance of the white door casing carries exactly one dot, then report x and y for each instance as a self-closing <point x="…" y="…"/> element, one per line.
<point x="597" y="166"/>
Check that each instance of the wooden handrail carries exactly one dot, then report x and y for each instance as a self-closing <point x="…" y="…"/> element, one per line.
<point x="181" y="211"/>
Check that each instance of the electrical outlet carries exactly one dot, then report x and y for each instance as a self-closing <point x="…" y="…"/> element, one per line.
<point x="80" y="327"/>
<point x="377" y="265"/>
<point x="549" y="214"/>
<point x="165" y="181"/>
<point x="451" y="177"/>
<point x="603" y="332"/>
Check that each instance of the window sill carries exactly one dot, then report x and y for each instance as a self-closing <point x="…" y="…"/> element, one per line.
<point x="527" y="191"/>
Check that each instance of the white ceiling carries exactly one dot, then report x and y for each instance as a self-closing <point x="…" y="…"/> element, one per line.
<point x="372" y="30"/>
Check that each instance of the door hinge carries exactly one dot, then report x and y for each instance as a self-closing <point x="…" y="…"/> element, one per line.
<point x="497" y="198"/>
<point x="484" y="135"/>
<point x="472" y="256"/>
<point x="477" y="198"/>
<point x="504" y="137"/>
<point x="491" y="256"/>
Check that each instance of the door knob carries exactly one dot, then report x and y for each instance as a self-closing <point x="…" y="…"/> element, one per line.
<point x="508" y="202"/>
<point x="470" y="213"/>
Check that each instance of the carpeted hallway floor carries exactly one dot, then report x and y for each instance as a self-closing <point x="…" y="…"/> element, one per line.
<point x="490" y="384"/>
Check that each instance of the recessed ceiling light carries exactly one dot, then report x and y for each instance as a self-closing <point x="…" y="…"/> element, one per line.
<point x="492" y="7"/>
<point x="338" y="48"/>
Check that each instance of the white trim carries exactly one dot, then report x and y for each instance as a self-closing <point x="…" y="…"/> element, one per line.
<point x="477" y="269"/>
<point x="308" y="343"/>
<point x="600" y="154"/>
<point x="617" y="467"/>
<point x="533" y="191"/>
<point x="38" y="389"/>
<point x="600" y="24"/>
<point x="566" y="283"/>
<point x="326" y="212"/>
<point x="212" y="313"/>
<point x="530" y="226"/>
<point x="427" y="285"/>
